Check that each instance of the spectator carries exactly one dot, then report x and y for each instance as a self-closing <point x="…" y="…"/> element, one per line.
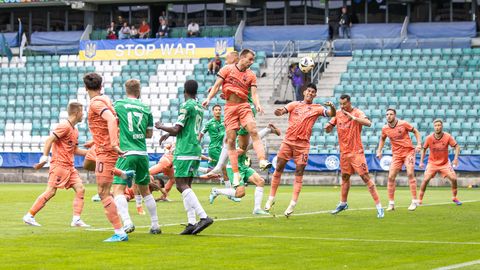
<point x="112" y="29"/>
<point x="144" y="30"/>
<point x="296" y="75"/>
<point x="163" y="29"/>
<point x="124" y="32"/>
<point x="193" y="29"/>
<point x="133" y="32"/>
<point x="111" y="35"/>
<point x="214" y="65"/>
<point x="345" y="23"/>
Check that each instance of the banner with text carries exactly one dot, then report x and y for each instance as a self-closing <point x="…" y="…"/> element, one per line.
<point x="126" y="49"/>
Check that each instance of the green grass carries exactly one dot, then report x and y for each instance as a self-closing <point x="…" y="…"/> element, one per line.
<point x="432" y="236"/>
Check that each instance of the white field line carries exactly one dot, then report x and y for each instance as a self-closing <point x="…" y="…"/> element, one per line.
<point x="460" y="265"/>
<point x="272" y="216"/>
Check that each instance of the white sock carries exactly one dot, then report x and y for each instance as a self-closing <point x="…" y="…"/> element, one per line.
<point x="193" y="202"/>
<point x="258" y="198"/>
<point x="138" y="200"/>
<point x="119" y="231"/>
<point x="262" y="133"/>
<point x="152" y="209"/>
<point x="343" y="203"/>
<point x="225" y="191"/>
<point x="391" y="202"/>
<point x="192" y="219"/>
<point x="378" y="205"/>
<point x="76" y="218"/>
<point x="293" y="203"/>
<point x="222" y="159"/>
<point x="227" y="184"/>
<point x="122" y="209"/>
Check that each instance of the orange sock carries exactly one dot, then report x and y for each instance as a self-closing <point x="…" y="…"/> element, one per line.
<point x="78" y="203"/>
<point x="258" y="147"/>
<point x="297" y="187"/>
<point x="373" y="191"/>
<point x="345" y="189"/>
<point x="111" y="212"/>
<point x="39" y="203"/>
<point x="391" y="189"/>
<point x="169" y="185"/>
<point x="233" y="156"/>
<point x="117" y="172"/>
<point x="275" y="182"/>
<point x="413" y="187"/>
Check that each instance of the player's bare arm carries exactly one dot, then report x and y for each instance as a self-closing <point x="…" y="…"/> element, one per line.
<point x="333" y="111"/>
<point x="46" y="151"/>
<point x="328" y="128"/>
<point x="455" y="158"/>
<point x="280" y="111"/>
<point x="361" y="121"/>
<point x="173" y="131"/>
<point x="80" y="152"/>
<point x="113" y="131"/>
<point x="255" y="100"/>
<point x="88" y="144"/>
<point x="381" y="143"/>
<point x="213" y="92"/>
<point x="418" y="148"/>
<point x="422" y="157"/>
<point x="149" y="133"/>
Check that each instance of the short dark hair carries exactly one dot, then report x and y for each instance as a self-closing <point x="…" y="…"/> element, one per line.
<point x="438" y="120"/>
<point x="393" y="110"/>
<point x="311" y="85"/>
<point x="92" y="81"/>
<point x="216" y="105"/>
<point x="345" y="96"/>
<point x="244" y="52"/>
<point x="191" y="87"/>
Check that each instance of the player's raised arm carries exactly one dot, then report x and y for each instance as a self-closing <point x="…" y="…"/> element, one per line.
<point x="280" y="111"/>
<point x="172" y="131"/>
<point x="333" y="111"/>
<point x="364" y="121"/>
<point x="213" y="91"/>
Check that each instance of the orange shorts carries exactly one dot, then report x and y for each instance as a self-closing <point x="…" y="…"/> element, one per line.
<point x="63" y="177"/>
<point x="399" y="160"/>
<point x="353" y="163"/>
<point x="237" y="114"/>
<point x="91" y="154"/>
<point x="105" y="165"/>
<point x="298" y="154"/>
<point x="445" y="171"/>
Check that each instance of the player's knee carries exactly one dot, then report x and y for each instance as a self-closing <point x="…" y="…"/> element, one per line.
<point x="365" y="177"/>
<point x="391" y="179"/>
<point x="261" y="182"/>
<point x="80" y="190"/>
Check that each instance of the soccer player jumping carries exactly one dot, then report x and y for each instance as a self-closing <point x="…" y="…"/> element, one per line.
<point x="236" y="81"/>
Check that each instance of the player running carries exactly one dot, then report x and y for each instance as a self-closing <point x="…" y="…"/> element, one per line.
<point x="62" y="173"/>
<point x="349" y="122"/>
<point x="187" y="155"/>
<point x="438" y="161"/>
<point x="103" y="125"/>
<point x="296" y="144"/>
<point x="403" y="152"/>
<point x="236" y="81"/>
<point x="136" y="124"/>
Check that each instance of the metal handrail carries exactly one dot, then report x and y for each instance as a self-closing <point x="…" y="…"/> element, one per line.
<point x="321" y="59"/>
<point x="281" y="64"/>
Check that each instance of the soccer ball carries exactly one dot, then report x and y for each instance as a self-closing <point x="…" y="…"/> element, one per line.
<point x="306" y="64"/>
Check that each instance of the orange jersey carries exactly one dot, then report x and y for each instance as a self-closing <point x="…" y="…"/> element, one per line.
<point x="64" y="147"/>
<point x="237" y="82"/>
<point x="439" y="148"/>
<point x="99" y="126"/>
<point x="349" y="131"/>
<point x="399" y="137"/>
<point x="301" y="120"/>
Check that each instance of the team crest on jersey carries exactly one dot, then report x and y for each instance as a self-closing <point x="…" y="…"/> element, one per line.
<point x="90" y="49"/>
<point x="332" y="163"/>
<point x="220" y="46"/>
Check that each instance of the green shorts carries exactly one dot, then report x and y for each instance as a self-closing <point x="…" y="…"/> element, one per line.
<point x="185" y="168"/>
<point x="242" y="131"/>
<point x="134" y="162"/>
<point x="245" y="174"/>
<point x="214" y="153"/>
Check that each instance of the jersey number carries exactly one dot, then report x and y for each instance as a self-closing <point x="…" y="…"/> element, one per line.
<point x="130" y="116"/>
<point x="198" y="123"/>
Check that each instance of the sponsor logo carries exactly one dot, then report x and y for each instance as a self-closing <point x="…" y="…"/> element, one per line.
<point x="385" y="162"/>
<point x="332" y="162"/>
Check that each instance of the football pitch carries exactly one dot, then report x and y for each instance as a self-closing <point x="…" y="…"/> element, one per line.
<point x="437" y="234"/>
